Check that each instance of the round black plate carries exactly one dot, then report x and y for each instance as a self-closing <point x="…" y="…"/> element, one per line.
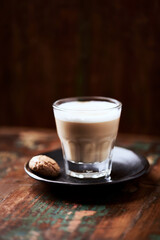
<point x="127" y="165"/>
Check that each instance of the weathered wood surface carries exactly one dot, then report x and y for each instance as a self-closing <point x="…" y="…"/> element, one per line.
<point x="31" y="210"/>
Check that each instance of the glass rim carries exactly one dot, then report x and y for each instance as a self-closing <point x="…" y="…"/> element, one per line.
<point x="57" y="103"/>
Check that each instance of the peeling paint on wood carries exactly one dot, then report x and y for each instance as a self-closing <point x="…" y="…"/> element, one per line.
<point x="31" y="210"/>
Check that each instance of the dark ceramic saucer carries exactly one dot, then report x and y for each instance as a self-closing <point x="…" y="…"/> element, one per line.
<point x="127" y="165"/>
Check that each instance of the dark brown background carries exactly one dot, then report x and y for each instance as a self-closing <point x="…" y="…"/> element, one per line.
<point x="61" y="48"/>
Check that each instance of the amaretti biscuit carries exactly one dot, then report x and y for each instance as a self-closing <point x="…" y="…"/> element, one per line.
<point x="44" y="165"/>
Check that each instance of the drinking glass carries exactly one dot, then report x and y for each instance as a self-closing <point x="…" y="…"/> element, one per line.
<point x="87" y="128"/>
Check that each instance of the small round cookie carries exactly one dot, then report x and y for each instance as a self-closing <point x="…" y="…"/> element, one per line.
<point x="44" y="165"/>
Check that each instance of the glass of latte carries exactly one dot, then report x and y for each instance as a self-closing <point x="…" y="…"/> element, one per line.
<point x="87" y="128"/>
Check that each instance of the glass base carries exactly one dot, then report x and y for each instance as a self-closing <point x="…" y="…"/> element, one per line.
<point x="89" y="170"/>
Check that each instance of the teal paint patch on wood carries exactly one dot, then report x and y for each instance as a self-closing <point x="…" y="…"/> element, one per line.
<point x="101" y="210"/>
<point x="23" y="232"/>
<point x="86" y="223"/>
<point x="156" y="159"/>
<point x="154" y="237"/>
<point x="142" y="146"/>
<point x="6" y="161"/>
<point x="45" y="214"/>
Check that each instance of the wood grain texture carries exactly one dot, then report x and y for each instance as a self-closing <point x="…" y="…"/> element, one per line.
<point x="55" y="49"/>
<point x="31" y="210"/>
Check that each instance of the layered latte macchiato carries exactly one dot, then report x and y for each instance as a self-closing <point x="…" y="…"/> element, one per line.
<point x="87" y="129"/>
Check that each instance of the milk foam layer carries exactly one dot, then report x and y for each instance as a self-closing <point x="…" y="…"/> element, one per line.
<point x="87" y="111"/>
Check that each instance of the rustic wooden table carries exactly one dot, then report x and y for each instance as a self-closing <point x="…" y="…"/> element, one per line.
<point x="32" y="210"/>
